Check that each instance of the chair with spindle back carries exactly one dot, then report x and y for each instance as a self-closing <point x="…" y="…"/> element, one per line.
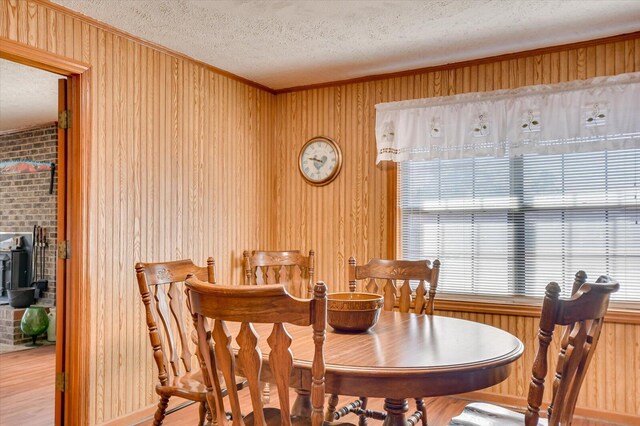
<point x="270" y="304"/>
<point x="290" y="268"/>
<point x="583" y="315"/>
<point x="170" y="328"/>
<point x="391" y="278"/>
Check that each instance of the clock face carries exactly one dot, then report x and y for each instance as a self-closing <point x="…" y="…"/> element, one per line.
<point x="320" y="161"/>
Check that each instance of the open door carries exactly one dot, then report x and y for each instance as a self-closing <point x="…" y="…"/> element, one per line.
<point x="72" y="299"/>
<point x="62" y="250"/>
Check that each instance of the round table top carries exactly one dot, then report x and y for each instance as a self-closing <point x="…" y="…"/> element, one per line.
<point x="407" y="355"/>
<point x="420" y="342"/>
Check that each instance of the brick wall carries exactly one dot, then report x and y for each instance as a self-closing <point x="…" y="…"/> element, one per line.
<point x="24" y="197"/>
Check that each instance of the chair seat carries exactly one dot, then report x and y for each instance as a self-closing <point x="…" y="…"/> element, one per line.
<point x="483" y="414"/>
<point x="191" y="386"/>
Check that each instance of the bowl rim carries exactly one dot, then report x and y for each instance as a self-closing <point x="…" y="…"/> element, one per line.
<point x="376" y="299"/>
<point x="376" y="296"/>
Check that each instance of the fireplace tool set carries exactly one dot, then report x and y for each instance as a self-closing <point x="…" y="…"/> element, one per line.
<point x="39" y="258"/>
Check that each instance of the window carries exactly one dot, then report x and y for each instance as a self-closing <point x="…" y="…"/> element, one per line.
<point x="509" y="226"/>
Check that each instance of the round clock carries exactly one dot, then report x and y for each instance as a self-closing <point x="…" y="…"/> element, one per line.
<point x="320" y="160"/>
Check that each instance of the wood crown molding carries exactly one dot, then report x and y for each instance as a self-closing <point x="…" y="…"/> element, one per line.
<point x="614" y="315"/>
<point x="152" y="45"/>
<point x="496" y="58"/>
<point x="471" y="62"/>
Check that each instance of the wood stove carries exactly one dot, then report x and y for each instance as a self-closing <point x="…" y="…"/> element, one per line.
<point x="15" y="265"/>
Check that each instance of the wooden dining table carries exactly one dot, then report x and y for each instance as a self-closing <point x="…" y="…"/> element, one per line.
<point x="403" y="356"/>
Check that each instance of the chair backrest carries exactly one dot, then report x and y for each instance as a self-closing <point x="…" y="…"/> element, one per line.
<point x="161" y="289"/>
<point x="583" y="315"/>
<point x="395" y="276"/>
<point x="289" y="268"/>
<point x="256" y="304"/>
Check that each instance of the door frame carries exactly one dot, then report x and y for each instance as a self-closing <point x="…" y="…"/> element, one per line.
<point x="72" y="286"/>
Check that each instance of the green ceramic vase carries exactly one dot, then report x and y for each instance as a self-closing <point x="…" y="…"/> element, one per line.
<point x="34" y="322"/>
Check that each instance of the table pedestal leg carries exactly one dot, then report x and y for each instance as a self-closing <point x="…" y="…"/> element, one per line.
<point x="396" y="409"/>
<point x="302" y="404"/>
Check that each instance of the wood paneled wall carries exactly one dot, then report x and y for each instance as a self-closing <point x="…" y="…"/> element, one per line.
<point x="179" y="168"/>
<point x="349" y="217"/>
<point x="186" y="162"/>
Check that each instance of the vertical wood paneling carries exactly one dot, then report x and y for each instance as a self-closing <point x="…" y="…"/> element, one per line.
<point x="347" y="217"/>
<point x="172" y="142"/>
<point x="186" y="163"/>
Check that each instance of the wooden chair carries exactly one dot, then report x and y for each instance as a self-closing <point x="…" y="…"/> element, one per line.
<point x="391" y="279"/>
<point x="160" y="286"/>
<point x="583" y="315"/>
<point x="247" y="305"/>
<point x="289" y="268"/>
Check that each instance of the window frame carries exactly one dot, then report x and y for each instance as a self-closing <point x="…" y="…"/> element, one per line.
<point x="518" y="305"/>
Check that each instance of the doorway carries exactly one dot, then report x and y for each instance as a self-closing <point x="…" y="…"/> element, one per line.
<point x="32" y="142"/>
<point x="72" y="296"/>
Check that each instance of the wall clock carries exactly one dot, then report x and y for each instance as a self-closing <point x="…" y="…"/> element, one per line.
<point x="320" y="160"/>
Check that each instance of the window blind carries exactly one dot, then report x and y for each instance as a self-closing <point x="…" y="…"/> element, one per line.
<point x="509" y="226"/>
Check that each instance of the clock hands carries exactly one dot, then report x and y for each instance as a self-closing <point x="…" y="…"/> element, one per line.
<point x="317" y="160"/>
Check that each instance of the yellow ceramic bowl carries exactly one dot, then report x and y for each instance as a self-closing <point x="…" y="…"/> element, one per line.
<point x="353" y="312"/>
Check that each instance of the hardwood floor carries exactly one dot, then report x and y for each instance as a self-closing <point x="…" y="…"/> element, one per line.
<point x="440" y="411"/>
<point x="438" y="408"/>
<point x="27" y="380"/>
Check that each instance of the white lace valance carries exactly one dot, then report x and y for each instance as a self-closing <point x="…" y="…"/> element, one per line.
<point x="597" y="114"/>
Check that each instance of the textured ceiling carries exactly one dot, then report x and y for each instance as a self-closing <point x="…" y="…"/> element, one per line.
<point x="282" y="43"/>
<point x="28" y="96"/>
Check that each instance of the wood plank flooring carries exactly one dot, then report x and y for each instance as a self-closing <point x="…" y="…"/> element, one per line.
<point x="27" y="380"/>
<point x="440" y="411"/>
<point x="27" y="387"/>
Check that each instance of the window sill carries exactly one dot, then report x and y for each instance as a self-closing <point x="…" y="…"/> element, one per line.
<point x="622" y="313"/>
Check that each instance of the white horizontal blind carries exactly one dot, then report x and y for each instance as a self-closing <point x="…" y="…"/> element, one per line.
<point x="509" y="226"/>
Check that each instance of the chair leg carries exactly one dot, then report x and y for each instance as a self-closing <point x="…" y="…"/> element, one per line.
<point x="362" y="421"/>
<point x="352" y="407"/>
<point x="160" y="412"/>
<point x="266" y="393"/>
<point x="202" y="412"/>
<point x="210" y="416"/>
<point x="331" y="408"/>
<point x="422" y="408"/>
